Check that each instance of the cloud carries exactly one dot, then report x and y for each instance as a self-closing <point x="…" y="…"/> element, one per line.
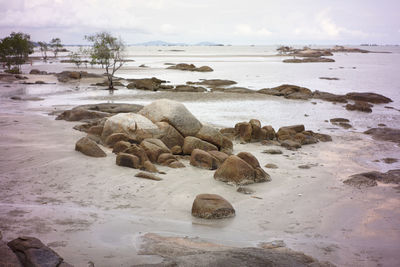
<point x="247" y="30"/>
<point x="168" y="29"/>
<point x="325" y="28"/>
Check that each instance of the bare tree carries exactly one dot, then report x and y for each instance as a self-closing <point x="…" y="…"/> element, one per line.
<point x="107" y="50"/>
<point x="44" y="48"/>
<point x="56" y="45"/>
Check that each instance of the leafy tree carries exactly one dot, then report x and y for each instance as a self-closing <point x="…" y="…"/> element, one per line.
<point x="75" y="58"/>
<point x="44" y="48"/>
<point x="107" y="51"/>
<point x="15" y="49"/>
<point x="56" y="45"/>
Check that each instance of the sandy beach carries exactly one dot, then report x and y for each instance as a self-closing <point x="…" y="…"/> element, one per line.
<point x="90" y="209"/>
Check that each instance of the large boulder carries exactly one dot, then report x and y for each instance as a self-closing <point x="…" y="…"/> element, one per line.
<point x="128" y="160"/>
<point x="203" y="159"/>
<point x="235" y="170"/>
<point x="7" y="256"/>
<point x="191" y="143"/>
<point x="174" y="113"/>
<point x="89" y="148"/>
<point x="131" y="124"/>
<point x="169" y="135"/>
<point x="260" y="174"/>
<point x="32" y="252"/>
<point x="227" y="146"/>
<point x="243" y="130"/>
<point x="211" y="135"/>
<point x="210" y="206"/>
<point x="219" y="155"/>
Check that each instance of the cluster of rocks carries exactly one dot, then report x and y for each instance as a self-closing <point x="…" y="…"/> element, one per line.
<point x="29" y="251"/>
<point x="66" y="76"/>
<point x="369" y="179"/>
<point x="190" y="67"/>
<point x="342" y="122"/>
<point x="308" y="60"/>
<point x="290" y="137"/>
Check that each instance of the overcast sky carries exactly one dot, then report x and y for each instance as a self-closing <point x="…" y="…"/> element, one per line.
<point x="220" y="21"/>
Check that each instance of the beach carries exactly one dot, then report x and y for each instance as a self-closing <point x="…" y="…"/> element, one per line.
<point x="91" y="210"/>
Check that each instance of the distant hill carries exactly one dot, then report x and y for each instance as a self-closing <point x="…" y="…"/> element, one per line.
<point x="162" y="43"/>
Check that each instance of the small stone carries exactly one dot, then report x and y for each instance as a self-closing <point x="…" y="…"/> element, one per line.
<point x="272" y="151"/>
<point x="271" y="166"/>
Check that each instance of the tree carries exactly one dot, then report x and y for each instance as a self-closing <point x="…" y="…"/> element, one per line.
<point x="44" y="48"/>
<point x="107" y="51"/>
<point x="56" y="45"/>
<point x="15" y="49"/>
<point x="75" y="58"/>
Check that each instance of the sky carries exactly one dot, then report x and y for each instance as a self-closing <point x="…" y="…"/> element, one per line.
<point x="233" y="22"/>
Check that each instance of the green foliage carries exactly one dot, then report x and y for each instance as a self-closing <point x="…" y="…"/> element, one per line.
<point x="75" y="58"/>
<point x="107" y="51"/>
<point x="15" y="49"/>
<point x="56" y="45"/>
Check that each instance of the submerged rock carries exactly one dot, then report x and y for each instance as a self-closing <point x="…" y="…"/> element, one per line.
<point x="369" y="179"/>
<point x="210" y="206"/>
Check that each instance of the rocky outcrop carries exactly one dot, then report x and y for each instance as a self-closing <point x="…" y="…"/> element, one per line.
<point x="210" y="206"/>
<point x="385" y="134"/>
<point x="175" y="113"/>
<point x="369" y="179"/>
<point x="89" y="148"/>
<point x="360" y="106"/>
<point x="241" y="169"/>
<point x="191" y="143"/>
<point x="190" y="67"/>
<point x="32" y="252"/>
<point x="150" y="84"/>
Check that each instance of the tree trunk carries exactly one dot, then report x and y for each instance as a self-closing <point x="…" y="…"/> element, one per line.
<point x="110" y="82"/>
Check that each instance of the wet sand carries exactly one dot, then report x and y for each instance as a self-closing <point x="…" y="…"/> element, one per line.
<point x="90" y="209"/>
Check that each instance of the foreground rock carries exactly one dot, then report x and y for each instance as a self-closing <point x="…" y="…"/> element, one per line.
<point x="210" y="206"/>
<point x="369" y="179"/>
<point x="186" y="251"/>
<point x="385" y="134"/>
<point x="32" y="252"/>
<point x="241" y="169"/>
<point x="175" y="113"/>
<point x="190" y="67"/>
<point x="89" y="148"/>
<point x="7" y="256"/>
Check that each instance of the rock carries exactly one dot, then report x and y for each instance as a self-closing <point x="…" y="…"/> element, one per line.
<point x="148" y="176"/>
<point x="128" y="160"/>
<point x="175" y="113"/>
<point x="337" y="120"/>
<point x="237" y="90"/>
<point x="176" y="150"/>
<point x="329" y="97"/>
<point x="35" y="72"/>
<point x="220" y="156"/>
<point x="114" y="138"/>
<point x="288" y="91"/>
<point x="121" y="146"/>
<point x="151" y="84"/>
<point x="176" y="165"/>
<point x="138" y="152"/>
<point x="243" y="130"/>
<point x="191" y="143"/>
<point x="204" y="69"/>
<point x="169" y="135"/>
<point x="210" y="206"/>
<point x="244" y="190"/>
<point x="210" y="134"/>
<point x="201" y="159"/>
<point x="89" y="148"/>
<point x="257" y="133"/>
<point x="385" y="134"/>
<point x="216" y="82"/>
<point x="81" y="114"/>
<point x="154" y="148"/>
<point x="369" y="179"/>
<point x="272" y="151"/>
<point x="188" y="88"/>
<point x="133" y="125"/>
<point x="190" y="67"/>
<point x="227" y="146"/>
<point x="270" y="132"/>
<point x="271" y="166"/>
<point x="368" y="97"/>
<point x="7" y="256"/>
<point x="290" y="144"/>
<point x="322" y="137"/>
<point x="228" y="133"/>
<point x="329" y="78"/>
<point x="360" y="106"/>
<point x="148" y="166"/>
<point x="95" y="130"/>
<point x="308" y="60"/>
<point x="249" y="158"/>
<point x="304" y="138"/>
<point x="390" y="160"/>
<point x="270" y="143"/>
<point x="305" y="166"/>
<point x="74" y="75"/>
<point x="32" y="252"/>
